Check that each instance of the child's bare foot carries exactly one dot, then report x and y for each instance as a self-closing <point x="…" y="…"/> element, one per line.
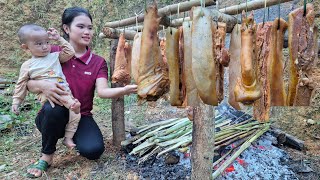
<point x="76" y="107"/>
<point x="69" y="143"/>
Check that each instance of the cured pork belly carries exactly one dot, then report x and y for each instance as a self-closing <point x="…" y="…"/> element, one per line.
<point x="303" y="47"/>
<point x="153" y="79"/>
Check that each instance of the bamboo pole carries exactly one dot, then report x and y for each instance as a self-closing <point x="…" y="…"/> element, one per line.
<point x="232" y="10"/>
<point x="252" y="5"/>
<point x="112" y="33"/>
<point x="217" y="16"/>
<point x="171" y="9"/>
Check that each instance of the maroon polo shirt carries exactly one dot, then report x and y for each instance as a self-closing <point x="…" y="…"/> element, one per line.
<point x="81" y="74"/>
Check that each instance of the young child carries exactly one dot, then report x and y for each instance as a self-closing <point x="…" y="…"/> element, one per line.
<point x="46" y="66"/>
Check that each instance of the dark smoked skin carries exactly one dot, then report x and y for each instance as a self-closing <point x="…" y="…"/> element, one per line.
<point x="261" y="106"/>
<point x="223" y="58"/>
<point x="303" y="55"/>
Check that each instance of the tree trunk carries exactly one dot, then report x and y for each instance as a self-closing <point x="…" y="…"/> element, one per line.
<point x="117" y="106"/>
<point x="202" y="151"/>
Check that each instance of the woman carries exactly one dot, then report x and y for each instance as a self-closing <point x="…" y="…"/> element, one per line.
<point x="85" y="73"/>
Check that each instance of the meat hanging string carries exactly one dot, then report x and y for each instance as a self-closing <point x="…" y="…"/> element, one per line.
<point x="279" y="15"/>
<point x="264" y="12"/>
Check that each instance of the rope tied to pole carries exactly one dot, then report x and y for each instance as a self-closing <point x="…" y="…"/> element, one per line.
<point x="264" y="12"/>
<point x="304" y="8"/>
<point x="136" y="22"/>
<point x="279" y="15"/>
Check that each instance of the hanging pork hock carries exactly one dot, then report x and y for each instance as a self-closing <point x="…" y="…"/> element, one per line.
<point x="121" y="72"/>
<point x="247" y="89"/>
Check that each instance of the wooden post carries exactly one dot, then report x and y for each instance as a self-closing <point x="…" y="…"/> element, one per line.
<point x="117" y="106"/>
<point x="202" y="150"/>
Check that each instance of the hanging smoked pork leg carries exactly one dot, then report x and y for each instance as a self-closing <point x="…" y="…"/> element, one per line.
<point x="223" y="58"/>
<point x="153" y="79"/>
<point x="163" y="49"/>
<point x="234" y="64"/>
<point x="128" y="55"/>
<point x="247" y="89"/>
<point x="135" y="56"/>
<point x="278" y="93"/>
<point x="121" y="72"/>
<point x="172" y="54"/>
<point x="182" y="74"/>
<point x="261" y="107"/>
<point x="302" y="40"/>
<point x="204" y="56"/>
<point x="192" y="97"/>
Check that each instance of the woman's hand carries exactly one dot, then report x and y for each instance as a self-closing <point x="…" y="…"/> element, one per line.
<point x="52" y="91"/>
<point x="133" y="88"/>
<point x="105" y="92"/>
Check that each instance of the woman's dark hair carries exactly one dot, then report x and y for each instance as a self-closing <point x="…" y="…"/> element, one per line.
<point x="69" y="14"/>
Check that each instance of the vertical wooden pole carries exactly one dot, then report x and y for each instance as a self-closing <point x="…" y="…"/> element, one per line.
<point x="202" y="150"/>
<point x="117" y="105"/>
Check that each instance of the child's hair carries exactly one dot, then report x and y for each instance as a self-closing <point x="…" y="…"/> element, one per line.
<point x="26" y="29"/>
<point x="69" y="14"/>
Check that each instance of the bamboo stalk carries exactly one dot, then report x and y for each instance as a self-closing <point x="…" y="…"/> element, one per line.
<point x="237" y="153"/>
<point x="183" y="123"/>
<point x="154" y="131"/>
<point x="129" y="141"/>
<point x="153" y="152"/>
<point x="175" y="146"/>
<point x="143" y="151"/>
<point x="243" y="136"/>
<point x="222" y="158"/>
<point x="168" y="143"/>
<point x="158" y="124"/>
<point x="223" y="123"/>
<point x="225" y="138"/>
<point x="174" y="135"/>
<point x="141" y="146"/>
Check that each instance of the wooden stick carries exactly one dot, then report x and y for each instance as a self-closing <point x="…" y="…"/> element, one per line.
<point x="171" y="9"/>
<point x="112" y="33"/>
<point x="288" y="139"/>
<point x="252" y="5"/>
<point x="202" y="142"/>
<point x="117" y="105"/>
<point x="238" y="152"/>
<point x="217" y="16"/>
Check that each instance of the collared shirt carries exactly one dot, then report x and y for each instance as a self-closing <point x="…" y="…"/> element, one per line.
<point x="81" y="74"/>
